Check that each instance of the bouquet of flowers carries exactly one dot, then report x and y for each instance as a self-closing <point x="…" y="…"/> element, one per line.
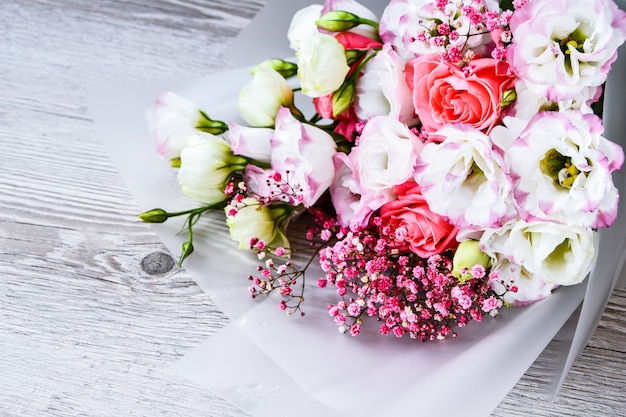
<point x="447" y="158"/>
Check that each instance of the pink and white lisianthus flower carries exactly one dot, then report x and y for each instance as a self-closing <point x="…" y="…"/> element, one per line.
<point x="303" y="155"/>
<point x="172" y="120"/>
<point x="345" y="192"/>
<point x="250" y="142"/>
<point x="528" y="102"/>
<point x="382" y="89"/>
<point x="563" y="46"/>
<point x="464" y="180"/>
<point x="561" y="166"/>
<point x="404" y="22"/>
<point x="384" y="157"/>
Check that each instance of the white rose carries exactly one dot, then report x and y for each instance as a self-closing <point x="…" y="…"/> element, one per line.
<point x="260" y="100"/>
<point x="322" y="65"/>
<point x="207" y="164"/>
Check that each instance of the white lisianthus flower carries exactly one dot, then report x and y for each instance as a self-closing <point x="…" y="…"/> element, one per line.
<point x="529" y="103"/>
<point x="562" y="168"/>
<point x="251" y="142"/>
<point x="322" y="65"/>
<point x="303" y="26"/>
<point x="527" y="287"/>
<point x="384" y="158"/>
<point x="249" y="219"/>
<point x="562" y="46"/>
<point x="172" y="120"/>
<point x="207" y="164"/>
<point x="518" y="285"/>
<point x="382" y="90"/>
<point x="560" y="254"/>
<point x="464" y="179"/>
<point x="260" y="99"/>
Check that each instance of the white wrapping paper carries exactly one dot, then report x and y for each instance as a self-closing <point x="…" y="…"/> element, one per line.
<point x="271" y="365"/>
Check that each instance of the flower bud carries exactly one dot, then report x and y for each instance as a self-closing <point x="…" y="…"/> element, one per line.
<point x="208" y="125"/>
<point x="468" y="255"/>
<point x="284" y="68"/>
<point x="187" y="249"/>
<point x="344" y="96"/>
<point x="338" y="21"/>
<point x="255" y="220"/>
<point x="154" y="216"/>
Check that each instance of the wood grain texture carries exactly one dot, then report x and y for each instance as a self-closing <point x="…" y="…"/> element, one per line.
<point x="84" y="329"/>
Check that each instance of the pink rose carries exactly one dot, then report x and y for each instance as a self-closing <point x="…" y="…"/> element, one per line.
<point x="417" y="228"/>
<point x="445" y="94"/>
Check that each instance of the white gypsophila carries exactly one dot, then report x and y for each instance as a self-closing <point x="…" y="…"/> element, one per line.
<point x="303" y="26"/>
<point x="171" y="121"/>
<point x="562" y="168"/>
<point x="527" y="287"/>
<point x="560" y="254"/>
<point x="403" y="20"/>
<point x="562" y="46"/>
<point x="382" y="89"/>
<point x="322" y="65"/>
<point x="260" y="99"/>
<point x="529" y="102"/>
<point x="207" y="163"/>
<point x="385" y="156"/>
<point x="464" y="180"/>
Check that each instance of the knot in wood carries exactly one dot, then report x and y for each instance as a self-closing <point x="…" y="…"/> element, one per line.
<point x="157" y="263"/>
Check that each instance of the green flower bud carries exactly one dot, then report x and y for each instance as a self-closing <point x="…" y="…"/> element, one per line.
<point x="344" y="96"/>
<point x="154" y="216"/>
<point x="175" y="162"/>
<point x="338" y="21"/>
<point x="208" y="125"/>
<point x="187" y="249"/>
<point x="284" y="68"/>
<point x="508" y="98"/>
<point x="468" y="255"/>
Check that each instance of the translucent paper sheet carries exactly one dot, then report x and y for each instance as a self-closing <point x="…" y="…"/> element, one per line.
<point x="271" y="365"/>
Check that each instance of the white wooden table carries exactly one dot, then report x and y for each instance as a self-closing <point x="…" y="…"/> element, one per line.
<point x="84" y="328"/>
